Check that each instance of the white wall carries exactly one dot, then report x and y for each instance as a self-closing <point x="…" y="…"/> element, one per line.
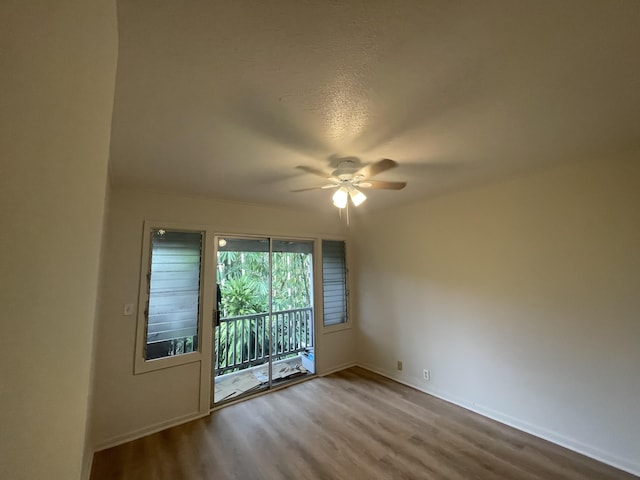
<point x="58" y="75"/>
<point x="127" y="405"/>
<point x="89" y="448"/>
<point x="521" y="297"/>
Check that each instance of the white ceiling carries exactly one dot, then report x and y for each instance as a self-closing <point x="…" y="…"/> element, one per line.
<point x="225" y="98"/>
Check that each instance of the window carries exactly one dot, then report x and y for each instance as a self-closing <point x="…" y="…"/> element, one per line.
<point x="173" y="284"/>
<point x="334" y="282"/>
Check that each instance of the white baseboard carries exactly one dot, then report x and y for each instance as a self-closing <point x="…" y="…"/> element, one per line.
<point x="625" y="464"/>
<point x="143" y="432"/>
<point x="344" y="366"/>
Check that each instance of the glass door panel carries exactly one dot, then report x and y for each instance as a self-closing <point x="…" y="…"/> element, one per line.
<point x="242" y="345"/>
<point x="292" y="304"/>
<point x="264" y="322"/>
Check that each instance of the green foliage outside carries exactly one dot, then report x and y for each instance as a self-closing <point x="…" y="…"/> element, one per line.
<point x="244" y="282"/>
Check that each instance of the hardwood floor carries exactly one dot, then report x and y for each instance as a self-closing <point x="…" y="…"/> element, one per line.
<point x="350" y="425"/>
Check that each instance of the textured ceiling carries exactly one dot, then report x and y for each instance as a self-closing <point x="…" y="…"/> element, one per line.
<point x="225" y="98"/>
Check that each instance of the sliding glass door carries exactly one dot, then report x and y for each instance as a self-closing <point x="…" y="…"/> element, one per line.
<point x="263" y="326"/>
<point x="241" y="328"/>
<point x="292" y="309"/>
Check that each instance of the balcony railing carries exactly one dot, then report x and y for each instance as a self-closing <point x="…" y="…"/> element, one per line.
<point x="241" y="342"/>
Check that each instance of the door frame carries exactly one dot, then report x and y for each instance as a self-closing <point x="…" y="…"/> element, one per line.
<point x="316" y="243"/>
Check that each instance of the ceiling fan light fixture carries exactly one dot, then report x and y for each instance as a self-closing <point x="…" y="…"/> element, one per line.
<point x="357" y="197"/>
<point x="349" y="177"/>
<point x="340" y="197"/>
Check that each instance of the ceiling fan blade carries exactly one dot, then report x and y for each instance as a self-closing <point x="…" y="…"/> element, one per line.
<point x="316" y="188"/>
<point x="314" y="171"/>
<point x="373" y="169"/>
<point x="380" y="185"/>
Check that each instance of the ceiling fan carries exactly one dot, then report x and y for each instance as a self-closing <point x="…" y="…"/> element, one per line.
<point x="349" y="178"/>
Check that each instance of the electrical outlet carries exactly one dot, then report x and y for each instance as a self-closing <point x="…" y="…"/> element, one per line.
<point x="426" y="374"/>
<point x="399" y="365"/>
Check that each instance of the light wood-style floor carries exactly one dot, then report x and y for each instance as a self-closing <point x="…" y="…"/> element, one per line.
<point x="350" y="425"/>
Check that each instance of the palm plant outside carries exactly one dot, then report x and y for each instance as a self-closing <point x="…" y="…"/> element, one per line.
<point x="243" y="278"/>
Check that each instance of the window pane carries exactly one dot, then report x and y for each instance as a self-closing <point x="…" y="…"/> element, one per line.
<point x="174" y="293"/>
<point x="334" y="282"/>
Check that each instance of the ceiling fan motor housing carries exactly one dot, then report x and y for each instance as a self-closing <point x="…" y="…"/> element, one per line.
<point x="346" y="170"/>
<point x="350" y="175"/>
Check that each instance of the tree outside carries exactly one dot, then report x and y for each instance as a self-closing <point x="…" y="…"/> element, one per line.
<point x="243" y="278"/>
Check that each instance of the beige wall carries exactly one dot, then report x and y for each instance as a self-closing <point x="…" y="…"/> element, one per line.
<point x="128" y="405"/>
<point x="89" y="447"/>
<point x="522" y="298"/>
<point x="58" y="75"/>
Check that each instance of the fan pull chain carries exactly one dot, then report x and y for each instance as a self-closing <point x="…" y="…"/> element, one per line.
<point x="347" y="214"/>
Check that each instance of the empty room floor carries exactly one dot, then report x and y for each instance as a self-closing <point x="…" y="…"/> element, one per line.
<point x="353" y="424"/>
